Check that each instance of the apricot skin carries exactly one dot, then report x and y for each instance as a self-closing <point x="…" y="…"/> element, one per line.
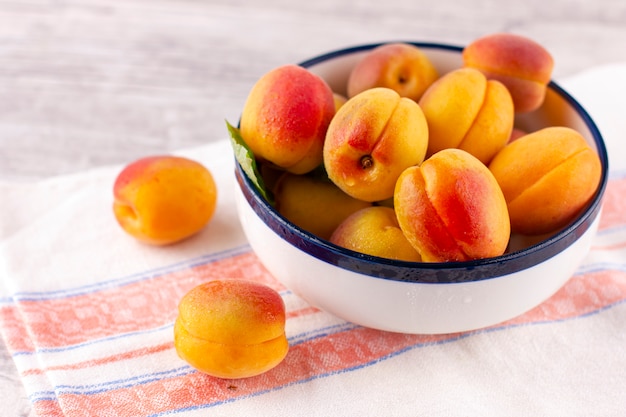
<point x="375" y="231"/>
<point x="314" y="204"/>
<point x="285" y="118"/>
<point x="464" y="110"/>
<point x="493" y="124"/>
<point x="231" y="328"/>
<point x="521" y="64"/>
<point x="451" y="208"/>
<point x="163" y="199"/>
<point x="373" y="137"/>
<point x="228" y="361"/>
<point x="339" y="100"/>
<point x="547" y="177"/>
<point x="399" y="66"/>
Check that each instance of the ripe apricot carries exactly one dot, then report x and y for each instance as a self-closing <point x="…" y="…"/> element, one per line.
<point x="375" y="231"/>
<point x="164" y="199"/>
<point x="314" y="204"/>
<point x="547" y="177"/>
<point x="285" y="118"/>
<point x="401" y="67"/>
<point x="231" y="328"/>
<point x="465" y="110"/>
<point x="372" y="138"/>
<point x="451" y="208"/>
<point x="521" y="64"/>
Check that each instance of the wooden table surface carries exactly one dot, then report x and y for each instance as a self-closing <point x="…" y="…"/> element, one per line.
<point x="85" y="83"/>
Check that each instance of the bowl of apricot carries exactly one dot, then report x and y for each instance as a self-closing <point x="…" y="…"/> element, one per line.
<point x="437" y="191"/>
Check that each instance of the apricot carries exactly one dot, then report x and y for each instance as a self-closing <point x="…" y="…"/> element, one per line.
<point x="285" y="118"/>
<point x="401" y="67"/>
<point x="521" y="64"/>
<point x="373" y="137"/>
<point x="375" y="231"/>
<point x="231" y="328"/>
<point x="163" y="199"/>
<point x="450" y="208"/>
<point x="313" y="203"/>
<point x="339" y="100"/>
<point x="547" y="177"/>
<point x="464" y="110"/>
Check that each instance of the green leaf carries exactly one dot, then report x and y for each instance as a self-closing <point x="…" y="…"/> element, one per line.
<point x="246" y="159"/>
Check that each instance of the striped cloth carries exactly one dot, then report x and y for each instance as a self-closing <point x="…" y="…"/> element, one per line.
<point x="87" y="314"/>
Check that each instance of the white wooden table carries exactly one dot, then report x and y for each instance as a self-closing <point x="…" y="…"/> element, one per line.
<point x="85" y="83"/>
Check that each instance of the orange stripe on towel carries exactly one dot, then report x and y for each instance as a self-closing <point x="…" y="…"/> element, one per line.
<point x="48" y="408"/>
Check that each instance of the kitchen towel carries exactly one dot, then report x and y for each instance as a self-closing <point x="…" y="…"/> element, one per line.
<point x="87" y="314"/>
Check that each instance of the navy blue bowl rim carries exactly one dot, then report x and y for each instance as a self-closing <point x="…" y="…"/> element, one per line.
<point x="420" y="272"/>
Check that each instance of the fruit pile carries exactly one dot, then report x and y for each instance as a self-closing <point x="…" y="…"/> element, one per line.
<point x="415" y="165"/>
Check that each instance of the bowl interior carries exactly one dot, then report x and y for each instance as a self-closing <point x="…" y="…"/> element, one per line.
<point x="558" y="109"/>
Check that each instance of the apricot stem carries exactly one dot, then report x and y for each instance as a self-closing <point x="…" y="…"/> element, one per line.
<point x="367" y="161"/>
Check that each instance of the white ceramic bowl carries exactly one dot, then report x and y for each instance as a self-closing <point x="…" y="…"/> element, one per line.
<point x="427" y="298"/>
